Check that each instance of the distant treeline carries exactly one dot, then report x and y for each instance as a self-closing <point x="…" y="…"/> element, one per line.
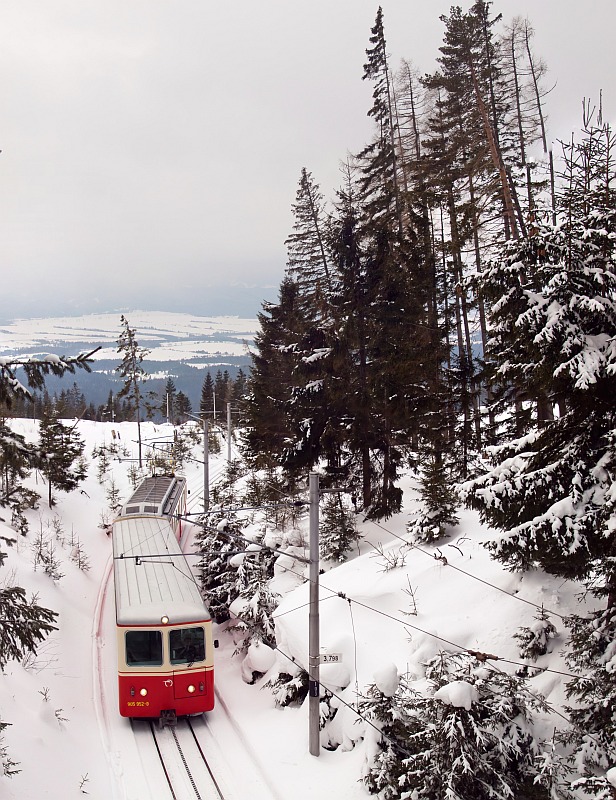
<point x="93" y="395"/>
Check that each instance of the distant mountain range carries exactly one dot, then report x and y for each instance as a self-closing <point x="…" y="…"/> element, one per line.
<point x="184" y="346"/>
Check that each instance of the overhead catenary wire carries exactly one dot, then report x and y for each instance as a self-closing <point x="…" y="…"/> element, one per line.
<point x="483" y="655"/>
<point x="405" y="623"/>
<point x="414" y="546"/>
<point x="480" y="654"/>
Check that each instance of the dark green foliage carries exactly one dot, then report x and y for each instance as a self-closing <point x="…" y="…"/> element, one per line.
<point x="16" y="457"/>
<point x="469" y="737"/>
<point x="272" y="380"/>
<point x="183" y="408"/>
<point x="206" y="404"/>
<point x="534" y="640"/>
<point x="60" y="454"/>
<point x="167" y="406"/>
<point x="133" y="374"/>
<point x="592" y="655"/>
<point x="24" y="623"/>
<point x="289" y="690"/>
<point x="337" y="531"/>
<point x="35" y="370"/>
<point x="439" y="501"/>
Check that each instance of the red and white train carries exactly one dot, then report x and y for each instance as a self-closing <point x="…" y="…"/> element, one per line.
<point x="164" y="629"/>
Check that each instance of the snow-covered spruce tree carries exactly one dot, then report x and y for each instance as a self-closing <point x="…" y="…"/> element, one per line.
<point x="593" y="731"/>
<point x="60" y="456"/>
<point x="337" y="530"/>
<point x="469" y="737"/>
<point x="133" y="374"/>
<point x="217" y="544"/>
<point x="259" y="602"/>
<point x="24" y="623"/>
<point x="439" y="500"/>
<point x="553" y="331"/>
<point x="533" y="640"/>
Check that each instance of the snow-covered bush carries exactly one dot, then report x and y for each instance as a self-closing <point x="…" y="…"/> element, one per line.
<point x="469" y="736"/>
<point x="289" y="689"/>
<point x="9" y="767"/>
<point x="534" y="640"/>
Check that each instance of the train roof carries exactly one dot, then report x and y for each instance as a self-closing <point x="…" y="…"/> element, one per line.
<point x="152" y="577"/>
<point x="158" y="495"/>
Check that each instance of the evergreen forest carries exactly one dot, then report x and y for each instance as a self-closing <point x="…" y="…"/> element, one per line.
<point x="451" y="310"/>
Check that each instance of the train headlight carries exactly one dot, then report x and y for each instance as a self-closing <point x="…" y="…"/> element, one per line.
<point x="164" y="620"/>
<point x="191" y="688"/>
<point x="143" y="692"/>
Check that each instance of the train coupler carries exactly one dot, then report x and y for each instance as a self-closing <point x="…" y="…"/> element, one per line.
<point x="168" y="718"/>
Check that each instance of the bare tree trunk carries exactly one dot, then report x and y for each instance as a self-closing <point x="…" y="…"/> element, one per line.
<point x="521" y="135"/>
<point x="497" y="158"/>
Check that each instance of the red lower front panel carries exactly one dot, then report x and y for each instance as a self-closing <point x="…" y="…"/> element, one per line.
<point x="166" y="691"/>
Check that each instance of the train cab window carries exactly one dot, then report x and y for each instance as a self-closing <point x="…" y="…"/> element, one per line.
<point x="187" y="645"/>
<point x="144" y="648"/>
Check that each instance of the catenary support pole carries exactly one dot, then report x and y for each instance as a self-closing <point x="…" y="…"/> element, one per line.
<point x="206" y="466"/>
<point x="313" y="619"/>
<point x="228" y="431"/>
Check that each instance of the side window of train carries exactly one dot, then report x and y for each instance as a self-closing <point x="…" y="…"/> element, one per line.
<point x="144" y="648"/>
<point x="187" y="645"/>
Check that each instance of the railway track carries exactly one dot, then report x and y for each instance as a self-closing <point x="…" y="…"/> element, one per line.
<point x="182" y="763"/>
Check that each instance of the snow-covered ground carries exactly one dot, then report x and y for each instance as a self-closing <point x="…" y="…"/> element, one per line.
<point x="397" y="609"/>
<point x="167" y="335"/>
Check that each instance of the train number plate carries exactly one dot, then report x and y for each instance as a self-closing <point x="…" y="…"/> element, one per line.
<point x="138" y="703"/>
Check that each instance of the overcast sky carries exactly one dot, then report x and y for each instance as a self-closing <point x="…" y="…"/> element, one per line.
<point x="151" y="148"/>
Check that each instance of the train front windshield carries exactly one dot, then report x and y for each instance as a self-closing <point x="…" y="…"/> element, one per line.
<point x="144" y="648"/>
<point x="187" y="645"/>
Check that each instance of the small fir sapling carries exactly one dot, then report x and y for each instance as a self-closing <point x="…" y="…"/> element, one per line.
<point x="534" y="640"/>
<point x="25" y="623"/>
<point x="9" y="767"/>
<point x="337" y="530"/>
<point x="112" y="494"/>
<point x="288" y="689"/>
<point x="78" y="556"/>
<point x="439" y="503"/>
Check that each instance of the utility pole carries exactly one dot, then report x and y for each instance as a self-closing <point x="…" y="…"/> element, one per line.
<point x="228" y="432"/>
<point x="206" y="461"/>
<point x="313" y="619"/>
<point x="206" y="466"/>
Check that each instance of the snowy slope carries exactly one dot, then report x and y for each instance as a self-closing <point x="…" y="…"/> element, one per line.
<point x="66" y="732"/>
